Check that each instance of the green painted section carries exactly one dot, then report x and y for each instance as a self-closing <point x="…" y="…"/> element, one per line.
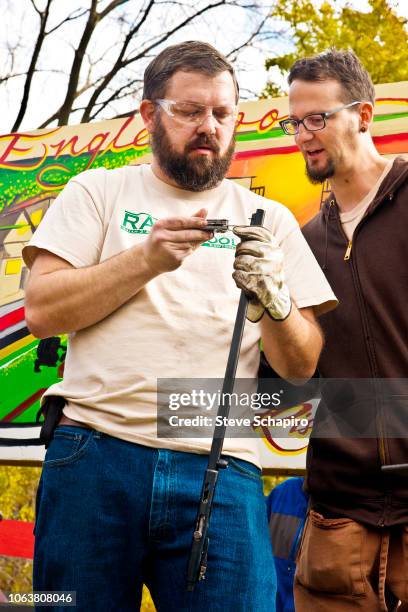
<point x="274" y="133"/>
<point x="392" y="116"/>
<point x="11" y="227"/>
<point x="6" y="360"/>
<point x="19" y="381"/>
<point x="20" y="185"/>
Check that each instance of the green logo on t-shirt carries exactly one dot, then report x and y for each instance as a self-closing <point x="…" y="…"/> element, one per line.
<point x="137" y="223"/>
<point x="142" y="223"/>
<point x="221" y="242"/>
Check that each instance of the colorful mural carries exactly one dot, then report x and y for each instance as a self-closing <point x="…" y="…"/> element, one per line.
<point x="35" y="166"/>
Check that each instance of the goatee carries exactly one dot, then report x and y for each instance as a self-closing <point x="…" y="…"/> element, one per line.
<point x="195" y="173"/>
<point x="320" y="176"/>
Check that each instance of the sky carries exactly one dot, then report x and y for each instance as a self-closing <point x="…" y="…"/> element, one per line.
<point x="19" y="21"/>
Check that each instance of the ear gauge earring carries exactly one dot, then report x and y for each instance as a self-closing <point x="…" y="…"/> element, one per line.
<point x="363" y="129"/>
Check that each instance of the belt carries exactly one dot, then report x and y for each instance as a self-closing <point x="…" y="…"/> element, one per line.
<point x="64" y="420"/>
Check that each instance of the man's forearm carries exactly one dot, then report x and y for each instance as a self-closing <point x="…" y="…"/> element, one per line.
<point x="69" y="299"/>
<point x="292" y="347"/>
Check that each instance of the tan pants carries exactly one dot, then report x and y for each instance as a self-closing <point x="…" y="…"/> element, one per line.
<point x="344" y="566"/>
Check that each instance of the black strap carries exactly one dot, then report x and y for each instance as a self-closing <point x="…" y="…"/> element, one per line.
<point x="51" y="410"/>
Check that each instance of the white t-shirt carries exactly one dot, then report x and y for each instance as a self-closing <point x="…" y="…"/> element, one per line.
<point x="180" y="324"/>
<point x="352" y="218"/>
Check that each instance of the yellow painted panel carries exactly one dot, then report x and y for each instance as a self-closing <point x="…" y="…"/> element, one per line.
<point x="36" y="217"/>
<point x="8" y="350"/>
<point x="13" y="266"/>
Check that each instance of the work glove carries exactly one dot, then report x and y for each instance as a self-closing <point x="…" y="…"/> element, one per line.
<point x="259" y="272"/>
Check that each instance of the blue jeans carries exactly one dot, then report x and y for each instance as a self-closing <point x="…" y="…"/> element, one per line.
<point x="112" y="515"/>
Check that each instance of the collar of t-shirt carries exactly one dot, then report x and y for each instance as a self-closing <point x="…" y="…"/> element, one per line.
<point x="352" y="218"/>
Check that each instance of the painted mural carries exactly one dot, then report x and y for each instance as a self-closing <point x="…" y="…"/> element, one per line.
<point x="35" y="166"/>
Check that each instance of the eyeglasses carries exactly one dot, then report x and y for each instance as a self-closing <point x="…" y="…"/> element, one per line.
<point x="194" y="114"/>
<point x="312" y="123"/>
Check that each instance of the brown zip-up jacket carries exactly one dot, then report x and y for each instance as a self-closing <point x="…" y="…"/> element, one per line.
<point x="365" y="337"/>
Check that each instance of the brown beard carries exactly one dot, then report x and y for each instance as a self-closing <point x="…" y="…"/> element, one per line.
<point x="191" y="173"/>
<point x="321" y="176"/>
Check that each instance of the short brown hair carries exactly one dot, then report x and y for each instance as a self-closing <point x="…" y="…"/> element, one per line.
<point x="342" y="66"/>
<point x="190" y="56"/>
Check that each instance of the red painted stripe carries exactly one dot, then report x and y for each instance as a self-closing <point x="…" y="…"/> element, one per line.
<point x="270" y="151"/>
<point x="388" y="138"/>
<point x="391" y="99"/>
<point x="16" y="539"/>
<point x="21" y="407"/>
<point x="11" y="318"/>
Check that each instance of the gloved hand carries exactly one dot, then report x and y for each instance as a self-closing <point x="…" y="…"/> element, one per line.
<point x="259" y="272"/>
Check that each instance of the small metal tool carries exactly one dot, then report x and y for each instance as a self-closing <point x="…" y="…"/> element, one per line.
<point x="220" y="225"/>
<point x="217" y="225"/>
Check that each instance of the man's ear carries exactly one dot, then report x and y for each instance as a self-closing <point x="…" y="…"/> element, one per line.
<point x="147" y="110"/>
<point x="366" y="115"/>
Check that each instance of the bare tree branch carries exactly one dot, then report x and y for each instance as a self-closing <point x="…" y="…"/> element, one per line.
<point x="70" y="17"/>
<point x="31" y="69"/>
<point x="168" y="34"/>
<point x="107" y="69"/>
<point x="116" y="95"/>
<point x="49" y="120"/>
<point x="118" y="63"/>
<point x="36" y="71"/>
<point x="12" y="48"/>
<point x="35" y="7"/>
<point x="121" y="63"/>
<point x="111" y="7"/>
<point x="233" y="54"/>
<point x="93" y="19"/>
<point x="12" y="76"/>
<point x="65" y="109"/>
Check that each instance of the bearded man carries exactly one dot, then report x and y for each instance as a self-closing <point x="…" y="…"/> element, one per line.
<point x="122" y="262"/>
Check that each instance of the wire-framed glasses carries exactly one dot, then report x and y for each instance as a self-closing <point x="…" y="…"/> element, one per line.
<point x="313" y="122"/>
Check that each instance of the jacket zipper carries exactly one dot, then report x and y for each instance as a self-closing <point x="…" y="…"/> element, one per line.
<point x="347" y="254"/>
<point x="357" y="285"/>
<point x="370" y="349"/>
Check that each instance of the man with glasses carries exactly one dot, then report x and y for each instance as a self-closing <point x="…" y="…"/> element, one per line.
<point x="123" y="262"/>
<point x="354" y="552"/>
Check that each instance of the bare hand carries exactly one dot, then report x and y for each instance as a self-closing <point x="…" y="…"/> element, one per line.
<point x="174" y="238"/>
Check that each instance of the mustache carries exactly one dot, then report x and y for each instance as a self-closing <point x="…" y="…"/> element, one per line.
<point x="204" y="140"/>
